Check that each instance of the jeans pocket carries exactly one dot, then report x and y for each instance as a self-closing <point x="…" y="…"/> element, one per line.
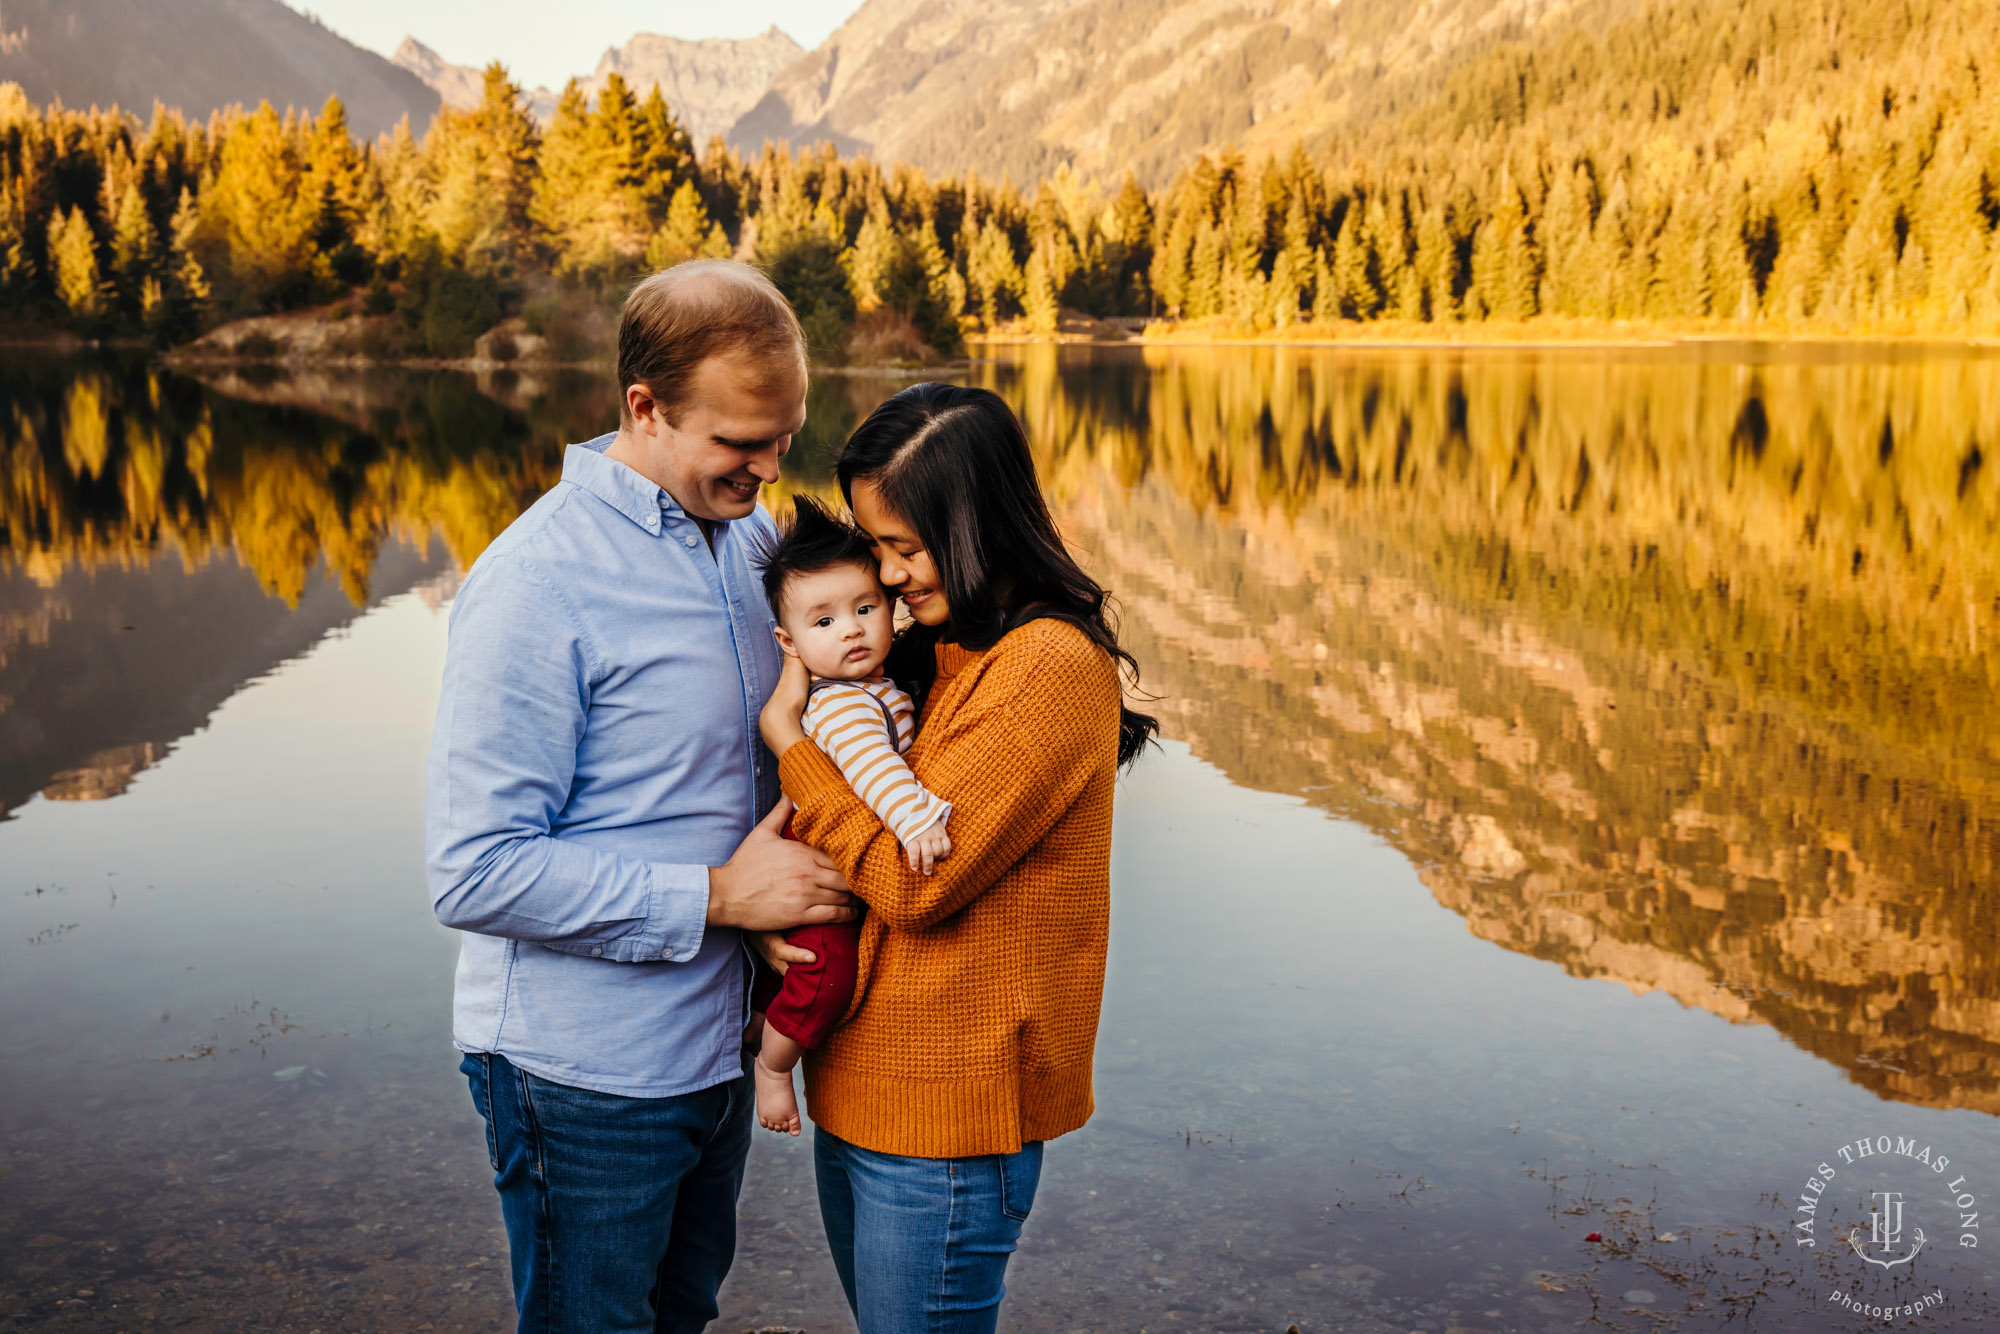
<point x="478" y="1070"/>
<point x="1020" y="1173"/>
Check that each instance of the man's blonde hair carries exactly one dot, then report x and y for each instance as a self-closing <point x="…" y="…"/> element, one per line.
<point x="680" y="317"/>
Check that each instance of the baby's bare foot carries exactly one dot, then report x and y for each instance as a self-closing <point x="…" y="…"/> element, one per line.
<point x="777" y="1104"/>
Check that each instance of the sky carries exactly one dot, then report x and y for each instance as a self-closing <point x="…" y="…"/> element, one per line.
<point x="543" y="42"/>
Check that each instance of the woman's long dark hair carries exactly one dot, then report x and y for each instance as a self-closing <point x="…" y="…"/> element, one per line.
<point x="953" y="462"/>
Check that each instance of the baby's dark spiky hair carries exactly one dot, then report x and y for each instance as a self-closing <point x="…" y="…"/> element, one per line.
<point x="814" y="541"/>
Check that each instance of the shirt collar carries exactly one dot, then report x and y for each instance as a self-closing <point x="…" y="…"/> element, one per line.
<point x="623" y="488"/>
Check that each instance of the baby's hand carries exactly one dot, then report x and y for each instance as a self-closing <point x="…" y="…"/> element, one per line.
<point x="929" y="848"/>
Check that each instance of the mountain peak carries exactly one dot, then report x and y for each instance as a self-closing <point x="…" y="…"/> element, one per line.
<point x="709" y="82"/>
<point x="460" y="86"/>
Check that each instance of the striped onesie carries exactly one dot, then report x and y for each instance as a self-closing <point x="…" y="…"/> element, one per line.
<point x="864" y="727"/>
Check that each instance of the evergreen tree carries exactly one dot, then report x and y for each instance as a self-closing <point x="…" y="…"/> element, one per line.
<point x="1686" y="285"/>
<point x="940" y="314"/>
<point x="1950" y="225"/>
<point x="804" y="262"/>
<point x="1798" y="277"/>
<point x="183" y="286"/>
<point x="1387" y="229"/>
<point x="1326" y="289"/>
<point x="17" y="271"/>
<point x="1204" y="284"/>
<point x="1568" y="275"/>
<point x="1621" y="256"/>
<point x="571" y="204"/>
<point x="1292" y="270"/>
<point x="1170" y="273"/>
<point x="1437" y="266"/>
<point x="1356" y="294"/>
<point x="134" y="247"/>
<point x="994" y="276"/>
<point x="1504" y="270"/>
<point x="483" y="163"/>
<point x="1735" y="284"/>
<point x="73" y="255"/>
<point x="1863" y="280"/>
<point x="665" y="153"/>
<point x="1128" y="254"/>
<point x="261" y="222"/>
<point x="1244" y="295"/>
<point x="333" y="175"/>
<point x="1039" y="303"/>
<point x="687" y="233"/>
<point x="876" y="252"/>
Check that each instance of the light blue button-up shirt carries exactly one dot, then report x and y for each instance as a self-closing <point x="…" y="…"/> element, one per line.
<point x="596" y="752"/>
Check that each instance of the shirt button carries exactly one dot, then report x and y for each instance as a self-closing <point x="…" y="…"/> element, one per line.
<point x="690" y="539"/>
<point x="596" y="953"/>
<point x="666" y="954"/>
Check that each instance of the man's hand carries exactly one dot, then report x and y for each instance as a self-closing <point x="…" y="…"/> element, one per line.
<point x="929" y="848"/>
<point x="773" y="882"/>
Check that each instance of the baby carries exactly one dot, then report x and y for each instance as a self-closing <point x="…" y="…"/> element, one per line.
<point x="834" y="617"/>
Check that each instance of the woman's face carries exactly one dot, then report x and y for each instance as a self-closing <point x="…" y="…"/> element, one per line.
<point x="905" y="566"/>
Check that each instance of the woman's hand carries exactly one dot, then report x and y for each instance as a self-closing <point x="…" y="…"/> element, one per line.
<point x="778" y="952"/>
<point x="779" y="721"/>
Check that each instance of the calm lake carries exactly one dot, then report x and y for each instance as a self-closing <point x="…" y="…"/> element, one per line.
<point x="1580" y="814"/>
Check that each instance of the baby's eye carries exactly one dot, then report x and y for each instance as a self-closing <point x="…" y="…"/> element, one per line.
<point x="864" y="609"/>
<point x="822" y="622"/>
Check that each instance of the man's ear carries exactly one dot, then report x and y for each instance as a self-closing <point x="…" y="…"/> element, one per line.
<point x="640" y="403"/>
<point x="785" y="641"/>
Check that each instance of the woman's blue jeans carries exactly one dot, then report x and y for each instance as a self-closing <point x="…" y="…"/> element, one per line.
<point x="921" y="1244"/>
<point x="621" y="1212"/>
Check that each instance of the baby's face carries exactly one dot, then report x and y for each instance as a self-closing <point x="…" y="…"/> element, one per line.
<point x="837" y="621"/>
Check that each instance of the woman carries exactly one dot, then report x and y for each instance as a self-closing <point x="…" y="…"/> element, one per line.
<point x="969" y="1043"/>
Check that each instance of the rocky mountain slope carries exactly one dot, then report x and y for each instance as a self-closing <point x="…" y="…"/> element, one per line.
<point x="710" y="84"/>
<point x="1021" y="86"/>
<point x="200" y="55"/>
<point x="459" y="86"/>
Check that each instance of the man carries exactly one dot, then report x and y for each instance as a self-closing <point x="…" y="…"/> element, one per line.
<point x="594" y="792"/>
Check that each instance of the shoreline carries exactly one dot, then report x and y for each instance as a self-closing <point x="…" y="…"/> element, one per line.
<point x="193" y="357"/>
<point x="1540" y="332"/>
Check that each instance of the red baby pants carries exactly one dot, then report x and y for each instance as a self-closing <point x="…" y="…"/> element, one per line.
<point x="811" y="998"/>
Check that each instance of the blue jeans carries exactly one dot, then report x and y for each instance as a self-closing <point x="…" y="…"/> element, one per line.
<point x="621" y="1212"/>
<point x="921" y="1244"/>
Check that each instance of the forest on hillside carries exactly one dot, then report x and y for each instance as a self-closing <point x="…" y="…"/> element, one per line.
<point x="1755" y="165"/>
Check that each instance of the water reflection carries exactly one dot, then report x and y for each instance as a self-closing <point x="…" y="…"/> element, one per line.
<point x="1678" y="674"/>
<point x="1673" y="669"/>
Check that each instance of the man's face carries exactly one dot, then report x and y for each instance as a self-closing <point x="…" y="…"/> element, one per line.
<point x="729" y="438"/>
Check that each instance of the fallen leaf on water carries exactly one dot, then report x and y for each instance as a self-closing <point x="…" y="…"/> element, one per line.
<point x="290" y="1072"/>
<point x="1595" y="1236"/>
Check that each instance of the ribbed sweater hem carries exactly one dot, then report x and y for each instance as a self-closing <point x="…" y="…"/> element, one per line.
<point x="960" y="1118"/>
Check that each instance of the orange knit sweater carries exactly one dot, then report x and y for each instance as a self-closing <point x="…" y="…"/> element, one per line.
<point x="975" y="1010"/>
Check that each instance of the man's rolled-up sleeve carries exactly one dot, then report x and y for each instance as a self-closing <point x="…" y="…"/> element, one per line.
<point x="517" y="681"/>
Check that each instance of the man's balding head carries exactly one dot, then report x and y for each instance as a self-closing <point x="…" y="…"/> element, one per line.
<point x="681" y="317"/>
<point x="712" y="380"/>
